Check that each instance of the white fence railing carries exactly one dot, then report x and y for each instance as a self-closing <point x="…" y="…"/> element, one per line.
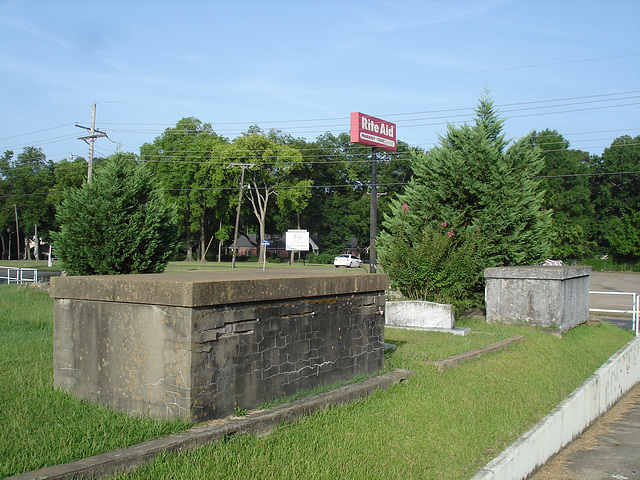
<point x="18" y="275"/>
<point x="635" y="307"/>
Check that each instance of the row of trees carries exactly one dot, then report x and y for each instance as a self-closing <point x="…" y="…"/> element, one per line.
<point x="321" y="186"/>
<point x="594" y="200"/>
<point x="31" y="187"/>
<point x="588" y="205"/>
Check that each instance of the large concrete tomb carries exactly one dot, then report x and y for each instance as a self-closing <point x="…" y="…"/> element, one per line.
<point x="556" y="297"/>
<point x="199" y="345"/>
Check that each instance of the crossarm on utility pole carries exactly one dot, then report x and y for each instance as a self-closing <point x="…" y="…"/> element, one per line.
<point x="90" y="139"/>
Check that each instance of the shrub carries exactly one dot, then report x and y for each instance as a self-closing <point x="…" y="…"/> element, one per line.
<point x="610" y="264"/>
<point x="439" y="264"/>
<point x="118" y="223"/>
<point x="321" y="258"/>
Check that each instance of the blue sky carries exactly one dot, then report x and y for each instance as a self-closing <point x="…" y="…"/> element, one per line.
<point x="303" y="66"/>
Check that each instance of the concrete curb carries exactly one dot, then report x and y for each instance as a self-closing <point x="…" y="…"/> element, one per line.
<point x="587" y="403"/>
<point x="258" y="423"/>
<point x="455" y="330"/>
<point x="463" y="357"/>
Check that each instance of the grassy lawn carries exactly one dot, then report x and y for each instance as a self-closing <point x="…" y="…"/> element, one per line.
<point x="41" y="265"/>
<point x="213" y="266"/>
<point x="38" y="425"/>
<point x="437" y="425"/>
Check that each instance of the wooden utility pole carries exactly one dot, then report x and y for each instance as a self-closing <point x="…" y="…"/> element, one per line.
<point x="15" y="207"/>
<point x="90" y="139"/>
<point x="243" y="166"/>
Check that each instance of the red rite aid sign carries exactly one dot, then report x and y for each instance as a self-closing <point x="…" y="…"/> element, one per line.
<point x="368" y="130"/>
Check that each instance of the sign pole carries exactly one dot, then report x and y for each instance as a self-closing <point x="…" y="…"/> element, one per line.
<point x="373" y="216"/>
<point x="264" y="261"/>
<point x="235" y="231"/>
<point x="377" y="133"/>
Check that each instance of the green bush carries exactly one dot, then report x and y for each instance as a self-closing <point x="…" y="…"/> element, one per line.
<point x="610" y="264"/>
<point x="118" y="223"/>
<point x="440" y="264"/>
<point x="321" y="259"/>
<point x="624" y="237"/>
<point x="274" y="259"/>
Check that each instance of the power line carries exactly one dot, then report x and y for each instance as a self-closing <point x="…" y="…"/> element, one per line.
<point x="363" y="161"/>
<point x="283" y="159"/>
<point x="37" y="131"/>
<point x="362" y="185"/>
<point x="355" y="149"/>
<point x="46" y="141"/>
<point x="599" y="174"/>
<point x="470" y="110"/>
<point x="405" y="122"/>
<point x="352" y="156"/>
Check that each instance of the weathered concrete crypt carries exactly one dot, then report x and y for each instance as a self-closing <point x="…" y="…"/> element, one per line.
<point x="197" y="345"/>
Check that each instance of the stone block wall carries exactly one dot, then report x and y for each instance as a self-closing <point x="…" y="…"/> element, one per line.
<point x="278" y="348"/>
<point x="197" y="346"/>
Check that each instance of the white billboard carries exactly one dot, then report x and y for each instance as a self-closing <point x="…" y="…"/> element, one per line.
<point x="297" y="240"/>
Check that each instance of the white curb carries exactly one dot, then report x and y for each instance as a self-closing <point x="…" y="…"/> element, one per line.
<point x="569" y="419"/>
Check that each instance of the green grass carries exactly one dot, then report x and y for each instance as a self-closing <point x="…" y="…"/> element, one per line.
<point x="41" y="265"/>
<point x="213" y="266"/>
<point x="610" y="265"/>
<point x="40" y="426"/>
<point x="436" y="425"/>
<point x="276" y="401"/>
<point x="443" y="426"/>
<point x="598" y="265"/>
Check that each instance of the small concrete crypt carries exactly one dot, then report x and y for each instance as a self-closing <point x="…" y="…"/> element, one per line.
<point x="552" y="297"/>
<point x="198" y="345"/>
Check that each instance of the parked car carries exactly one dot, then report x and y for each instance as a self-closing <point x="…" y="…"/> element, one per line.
<point x="347" y="260"/>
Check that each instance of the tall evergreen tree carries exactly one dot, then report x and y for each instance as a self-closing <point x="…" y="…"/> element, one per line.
<point x="475" y="185"/>
<point x="118" y="223"/>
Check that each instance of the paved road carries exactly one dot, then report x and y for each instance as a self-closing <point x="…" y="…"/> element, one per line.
<point x="614" y="282"/>
<point x="610" y="448"/>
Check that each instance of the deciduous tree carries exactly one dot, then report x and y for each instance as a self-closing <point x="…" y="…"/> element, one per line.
<point x="185" y="159"/>
<point x="567" y="195"/>
<point x="616" y="195"/>
<point x="274" y="170"/>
